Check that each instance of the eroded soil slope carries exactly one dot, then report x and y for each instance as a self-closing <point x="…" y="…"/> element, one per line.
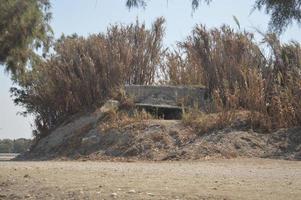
<point x="84" y="137"/>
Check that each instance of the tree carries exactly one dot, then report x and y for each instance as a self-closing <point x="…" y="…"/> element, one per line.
<point x="21" y="145"/>
<point x="23" y="28"/>
<point x="14" y="146"/>
<point x="282" y="12"/>
<point x="6" y="146"/>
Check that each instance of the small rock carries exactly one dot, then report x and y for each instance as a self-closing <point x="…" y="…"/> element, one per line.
<point x="132" y="191"/>
<point x="27" y="196"/>
<point x="150" y="194"/>
<point x="110" y="105"/>
<point x="26" y="176"/>
<point x="114" y="195"/>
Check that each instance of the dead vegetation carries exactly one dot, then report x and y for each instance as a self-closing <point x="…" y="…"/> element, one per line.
<point x="241" y="75"/>
<point x="263" y="81"/>
<point x="128" y="139"/>
<point x="84" y="72"/>
<point x="205" y="123"/>
<point x="119" y="119"/>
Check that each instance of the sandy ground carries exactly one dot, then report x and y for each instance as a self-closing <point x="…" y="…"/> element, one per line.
<point x="211" y="179"/>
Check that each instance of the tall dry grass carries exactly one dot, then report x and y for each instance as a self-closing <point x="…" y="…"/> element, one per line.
<point x="241" y="75"/>
<point x="83" y="72"/>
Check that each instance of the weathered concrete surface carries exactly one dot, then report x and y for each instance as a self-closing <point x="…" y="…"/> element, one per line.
<point x="167" y="96"/>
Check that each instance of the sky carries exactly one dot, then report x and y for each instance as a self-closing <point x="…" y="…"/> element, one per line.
<point x="86" y="17"/>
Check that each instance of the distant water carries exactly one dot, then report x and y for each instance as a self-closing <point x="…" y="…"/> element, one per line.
<point x="7" y="156"/>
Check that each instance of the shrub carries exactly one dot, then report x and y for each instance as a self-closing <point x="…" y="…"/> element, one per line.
<point x="83" y="72"/>
<point x="239" y="75"/>
<point x="208" y="122"/>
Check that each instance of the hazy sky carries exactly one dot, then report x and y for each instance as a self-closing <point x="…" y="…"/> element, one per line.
<point x="85" y="17"/>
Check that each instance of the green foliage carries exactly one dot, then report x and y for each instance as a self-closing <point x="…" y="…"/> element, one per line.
<point x="282" y="12"/>
<point x="23" y="28"/>
<point x="135" y="3"/>
<point x="83" y="72"/>
<point x="6" y="146"/>
<point x="14" y="146"/>
<point x="143" y="3"/>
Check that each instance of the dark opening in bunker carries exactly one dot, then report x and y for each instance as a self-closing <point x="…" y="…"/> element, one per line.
<point x="162" y="112"/>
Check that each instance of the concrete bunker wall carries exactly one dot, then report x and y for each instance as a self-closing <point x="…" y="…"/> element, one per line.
<point x="166" y="101"/>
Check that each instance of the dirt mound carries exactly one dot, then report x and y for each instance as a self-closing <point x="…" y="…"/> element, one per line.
<point x="89" y="137"/>
<point x="160" y="140"/>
